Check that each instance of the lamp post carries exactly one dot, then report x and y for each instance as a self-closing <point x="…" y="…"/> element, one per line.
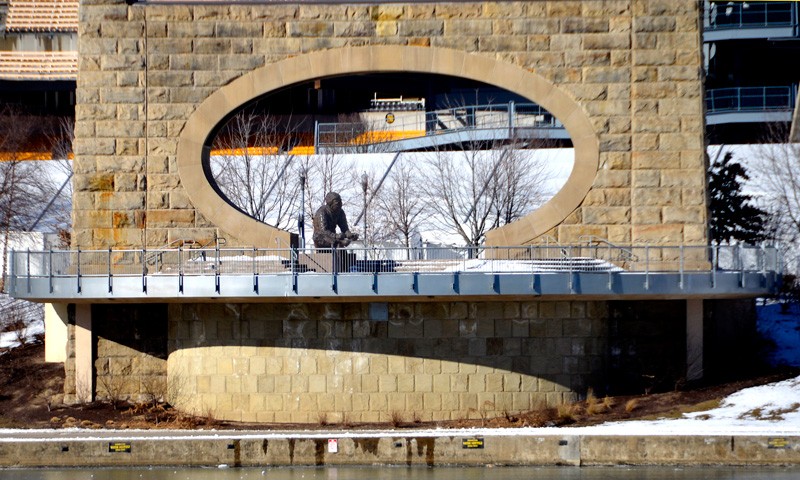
<point x="365" y="187"/>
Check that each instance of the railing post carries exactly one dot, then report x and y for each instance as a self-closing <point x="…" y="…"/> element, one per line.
<point x="110" y="274"/>
<point x="49" y="269"/>
<point x="741" y="264"/>
<point x="180" y="269"/>
<point x="255" y="270"/>
<point x="13" y="286"/>
<point x="144" y="270"/>
<point x="316" y="136"/>
<point x="334" y="267"/>
<point x="79" y="271"/>
<point x="28" y="268"/>
<point x="569" y="263"/>
<point x="647" y="267"/>
<point x="511" y="113"/>
<point x="714" y="265"/>
<point x="738" y="99"/>
<point x="216" y="268"/>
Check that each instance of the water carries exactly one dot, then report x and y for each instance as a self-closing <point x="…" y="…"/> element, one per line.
<point x="415" y="473"/>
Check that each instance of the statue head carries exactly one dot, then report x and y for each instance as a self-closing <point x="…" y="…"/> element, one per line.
<point x="334" y="201"/>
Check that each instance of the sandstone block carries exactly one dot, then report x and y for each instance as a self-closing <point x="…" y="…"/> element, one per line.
<point x="496" y="43"/>
<point x="386" y="28"/>
<point x="420" y="28"/>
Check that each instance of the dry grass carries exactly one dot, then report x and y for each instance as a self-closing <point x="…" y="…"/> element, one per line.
<point x="322" y="419"/>
<point x="396" y="419"/>
<point x="769" y="414"/>
<point x="593" y="405"/>
<point x="568" y="412"/>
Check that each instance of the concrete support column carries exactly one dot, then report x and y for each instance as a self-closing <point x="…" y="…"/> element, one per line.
<point x="694" y="339"/>
<point x="56" y="333"/>
<point x="84" y="377"/>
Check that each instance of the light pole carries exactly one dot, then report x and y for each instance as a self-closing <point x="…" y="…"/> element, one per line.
<point x="365" y="187"/>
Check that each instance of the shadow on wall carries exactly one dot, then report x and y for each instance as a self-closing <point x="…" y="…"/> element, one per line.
<point x="631" y="347"/>
<point x="130" y="350"/>
<point x="613" y="348"/>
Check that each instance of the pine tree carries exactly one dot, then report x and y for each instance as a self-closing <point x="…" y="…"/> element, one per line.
<point x="733" y="216"/>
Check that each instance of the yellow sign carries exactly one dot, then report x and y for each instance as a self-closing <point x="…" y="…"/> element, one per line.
<point x="390" y="117"/>
<point x="777" y="443"/>
<point x="472" y="443"/>
<point x="119" y="447"/>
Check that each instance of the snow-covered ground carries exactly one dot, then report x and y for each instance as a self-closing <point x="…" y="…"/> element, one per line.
<point x="11" y="339"/>
<point x="772" y="409"/>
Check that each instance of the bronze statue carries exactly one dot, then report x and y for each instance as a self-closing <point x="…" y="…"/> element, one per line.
<point x="327" y="218"/>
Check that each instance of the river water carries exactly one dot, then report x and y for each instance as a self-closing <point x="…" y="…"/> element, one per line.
<point x="409" y="473"/>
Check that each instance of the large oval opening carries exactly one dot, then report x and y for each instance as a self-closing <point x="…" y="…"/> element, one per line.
<point x="307" y="114"/>
<point x="415" y="157"/>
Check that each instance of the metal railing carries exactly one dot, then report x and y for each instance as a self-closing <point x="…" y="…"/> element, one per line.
<point x="452" y="120"/>
<point x="750" y="99"/>
<point x="523" y="259"/>
<point x="730" y="15"/>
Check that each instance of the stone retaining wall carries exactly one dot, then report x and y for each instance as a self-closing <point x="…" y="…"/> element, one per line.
<point x="408" y="448"/>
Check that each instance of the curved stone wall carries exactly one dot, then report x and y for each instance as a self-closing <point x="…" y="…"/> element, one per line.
<point x="424" y="60"/>
<point x="328" y="363"/>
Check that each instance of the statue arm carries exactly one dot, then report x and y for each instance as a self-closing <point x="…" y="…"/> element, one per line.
<point x="342" y="224"/>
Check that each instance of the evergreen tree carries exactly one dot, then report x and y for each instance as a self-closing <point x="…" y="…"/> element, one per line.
<point x="733" y="216"/>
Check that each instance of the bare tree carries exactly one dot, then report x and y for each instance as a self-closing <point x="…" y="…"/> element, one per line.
<point x="265" y="167"/>
<point x="56" y="182"/>
<point x="399" y="205"/>
<point x="456" y="189"/>
<point x="255" y="168"/>
<point x="775" y="172"/>
<point x="23" y="194"/>
<point x="471" y="191"/>
<point x="34" y="194"/>
<point x="518" y="184"/>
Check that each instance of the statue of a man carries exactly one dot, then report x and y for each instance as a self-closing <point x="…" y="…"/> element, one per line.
<point x="327" y="218"/>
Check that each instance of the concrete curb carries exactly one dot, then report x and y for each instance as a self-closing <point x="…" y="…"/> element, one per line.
<point x="121" y="448"/>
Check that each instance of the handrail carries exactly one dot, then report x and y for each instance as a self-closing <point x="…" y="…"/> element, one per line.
<point x="739" y="15"/>
<point x="451" y="120"/>
<point x="603" y="257"/>
<point x="751" y="99"/>
<point x="181" y="242"/>
<point x="589" y="239"/>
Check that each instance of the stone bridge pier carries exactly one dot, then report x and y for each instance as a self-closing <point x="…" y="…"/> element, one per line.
<point x="156" y="80"/>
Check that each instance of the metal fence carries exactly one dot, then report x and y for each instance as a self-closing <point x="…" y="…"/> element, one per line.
<point x="458" y="119"/>
<point x="729" y="15"/>
<point x="523" y="259"/>
<point x="750" y="99"/>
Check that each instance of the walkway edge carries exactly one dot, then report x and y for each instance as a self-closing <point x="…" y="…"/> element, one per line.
<point x="120" y="448"/>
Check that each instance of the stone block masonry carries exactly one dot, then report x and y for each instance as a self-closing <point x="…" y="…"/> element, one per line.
<point x="328" y="363"/>
<point x="323" y="363"/>
<point x="630" y="68"/>
<point x="624" y="76"/>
